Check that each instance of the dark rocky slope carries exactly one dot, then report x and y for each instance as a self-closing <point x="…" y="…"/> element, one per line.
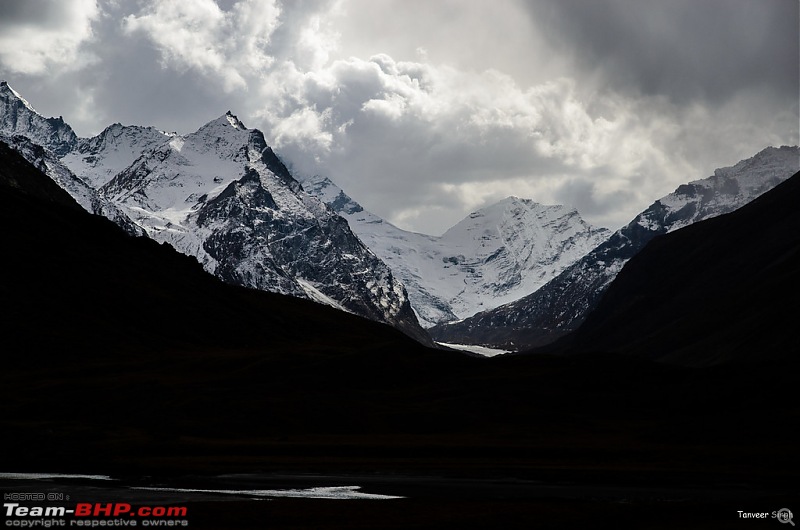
<point x="716" y="291"/>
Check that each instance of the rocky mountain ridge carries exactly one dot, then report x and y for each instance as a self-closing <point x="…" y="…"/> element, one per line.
<point x="219" y="194"/>
<point x="563" y="303"/>
<point x="495" y="255"/>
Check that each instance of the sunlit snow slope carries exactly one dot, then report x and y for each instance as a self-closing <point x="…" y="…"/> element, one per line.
<point x="495" y="255"/>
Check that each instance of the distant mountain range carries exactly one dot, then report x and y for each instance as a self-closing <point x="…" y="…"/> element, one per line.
<point x="42" y="141"/>
<point x="122" y="355"/>
<point x="84" y="289"/>
<point x="513" y="275"/>
<point x="221" y="195"/>
<point x="495" y="255"/>
<point x="563" y="303"/>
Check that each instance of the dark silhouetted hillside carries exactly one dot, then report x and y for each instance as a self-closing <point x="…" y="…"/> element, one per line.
<point x="718" y="290"/>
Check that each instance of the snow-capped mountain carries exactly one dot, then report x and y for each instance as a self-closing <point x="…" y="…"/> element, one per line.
<point x="563" y="304"/>
<point x="89" y="198"/>
<point x="99" y="159"/>
<point x="17" y="117"/>
<point x="493" y="256"/>
<point x="221" y="195"/>
<point x="41" y="141"/>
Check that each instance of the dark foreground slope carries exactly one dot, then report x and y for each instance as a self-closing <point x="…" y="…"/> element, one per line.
<point x="716" y="291"/>
<point x="76" y="286"/>
<point x="104" y="329"/>
<point x="122" y="357"/>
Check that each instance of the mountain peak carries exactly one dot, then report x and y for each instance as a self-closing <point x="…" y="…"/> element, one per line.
<point x="7" y="91"/>
<point x="227" y="125"/>
<point x="18" y="117"/>
<point x="513" y="201"/>
<point x="563" y="303"/>
<point x="511" y="207"/>
<point x="493" y="256"/>
<point x="234" y="121"/>
<point x="222" y="195"/>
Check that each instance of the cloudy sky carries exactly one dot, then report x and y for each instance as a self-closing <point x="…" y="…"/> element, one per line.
<point x="426" y="110"/>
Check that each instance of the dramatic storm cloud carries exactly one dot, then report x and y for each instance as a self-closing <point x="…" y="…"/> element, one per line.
<point x="424" y="111"/>
<point x="683" y="49"/>
<point x="39" y="35"/>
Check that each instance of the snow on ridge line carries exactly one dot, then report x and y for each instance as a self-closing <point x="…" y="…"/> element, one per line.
<point x="221" y="195"/>
<point x="19" y="97"/>
<point x="493" y="256"/>
<point x="318" y="296"/>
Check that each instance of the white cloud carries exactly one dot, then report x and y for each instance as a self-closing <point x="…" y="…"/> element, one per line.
<point x="199" y="34"/>
<point x="424" y="113"/>
<point x="45" y="36"/>
<point x="448" y="141"/>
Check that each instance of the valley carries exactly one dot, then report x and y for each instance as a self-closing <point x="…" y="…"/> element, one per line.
<point x="125" y="358"/>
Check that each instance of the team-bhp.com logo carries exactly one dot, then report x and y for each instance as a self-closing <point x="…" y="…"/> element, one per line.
<point x="90" y="514"/>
